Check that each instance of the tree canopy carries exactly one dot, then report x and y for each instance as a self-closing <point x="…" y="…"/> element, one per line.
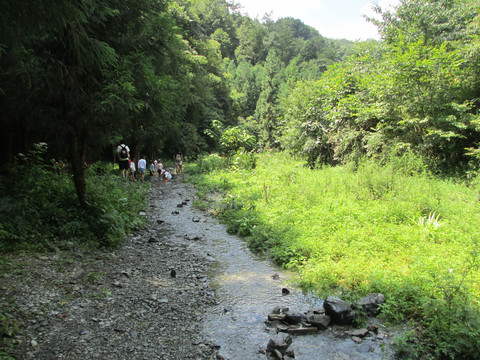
<point x="417" y="89"/>
<point x="81" y="76"/>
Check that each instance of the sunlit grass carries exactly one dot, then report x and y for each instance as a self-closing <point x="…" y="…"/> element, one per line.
<point x="355" y="231"/>
<point x="352" y="230"/>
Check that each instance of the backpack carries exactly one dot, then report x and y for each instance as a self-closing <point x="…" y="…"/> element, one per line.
<point x="123" y="153"/>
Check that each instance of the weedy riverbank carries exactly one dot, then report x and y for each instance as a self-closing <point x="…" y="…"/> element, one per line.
<point x="390" y="228"/>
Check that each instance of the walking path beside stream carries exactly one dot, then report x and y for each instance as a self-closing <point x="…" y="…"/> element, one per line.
<point x="182" y="288"/>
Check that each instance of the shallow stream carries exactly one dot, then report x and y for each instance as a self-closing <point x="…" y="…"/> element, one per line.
<point x="247" y="290"/>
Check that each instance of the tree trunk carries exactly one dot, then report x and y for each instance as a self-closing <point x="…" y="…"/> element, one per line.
<point x="78" y="170"/>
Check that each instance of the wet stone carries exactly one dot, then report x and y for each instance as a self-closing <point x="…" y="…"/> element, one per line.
<point x="320" y="321"/>
<point x="302" y="330"/>
<point x="356" y="339"/>
<point x="361" y="333"/>
<point x="371" y="303"/>
<point x="279" y="342"/>
<point x="276" y="317"/>
<point x="340" y="311"/>
<point x="278" y="354"/>
<point x="293" y="317"/>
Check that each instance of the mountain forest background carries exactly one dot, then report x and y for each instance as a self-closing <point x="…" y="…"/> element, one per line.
<point x="198" y="76"/>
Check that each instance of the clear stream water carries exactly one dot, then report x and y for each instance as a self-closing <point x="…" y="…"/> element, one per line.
<point x="246" y="291"/>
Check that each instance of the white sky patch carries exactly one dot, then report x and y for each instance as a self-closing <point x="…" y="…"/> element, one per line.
<point x="338" y="19"/>
<point x="278" y="8"/>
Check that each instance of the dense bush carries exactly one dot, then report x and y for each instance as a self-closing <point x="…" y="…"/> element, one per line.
<point x="8" y="329"/>
<point x="206" y="164"/>
<point x="39" y="208"/>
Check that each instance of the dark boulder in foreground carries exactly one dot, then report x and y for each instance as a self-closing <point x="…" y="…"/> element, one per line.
<point x="277" y="347"/>
<point x="340" y="312"/>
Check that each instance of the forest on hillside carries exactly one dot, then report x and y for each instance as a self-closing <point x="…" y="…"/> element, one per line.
<point x="80" y="76"/>
<point x="199" y="76"/>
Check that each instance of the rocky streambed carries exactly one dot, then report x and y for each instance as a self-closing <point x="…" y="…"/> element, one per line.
<point x="145" y="300"/>
<point x="182" y="288"/>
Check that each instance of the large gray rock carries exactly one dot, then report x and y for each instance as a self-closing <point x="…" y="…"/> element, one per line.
<point x="279" y="342"/>
<point x="371" y="304"/>
<point x="340" y="312"/>
<point x="320" y="321"/>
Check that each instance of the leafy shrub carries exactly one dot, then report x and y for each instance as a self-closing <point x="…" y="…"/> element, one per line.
<point x="242" y="160"/>
<point x="38" y="205"/>
<point x="206" y="164"/>
<point x="8" y="329"/>
<point x="233" y="139"/>
<point x="118" y="204"/>
<point x="442" y="333"/>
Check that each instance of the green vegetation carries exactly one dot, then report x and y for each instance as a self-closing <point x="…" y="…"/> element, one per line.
<point x="81" y="76"/>
<point x="40" y="213"/>
<point x="8" y="328"/>
<point x="169" y="74"/>
<point x="389" y="228"/>
<point x="39" y="209"/>
<point x="377" y="123"/>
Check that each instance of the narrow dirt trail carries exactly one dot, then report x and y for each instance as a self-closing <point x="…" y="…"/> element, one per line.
<point x="144" y="300"/>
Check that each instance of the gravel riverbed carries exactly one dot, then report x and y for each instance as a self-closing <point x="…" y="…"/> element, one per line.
<point x="144" y="300"/>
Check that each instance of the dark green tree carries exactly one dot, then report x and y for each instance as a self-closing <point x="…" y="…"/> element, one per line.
<point x="266" y="111"/>
<point x="251" y="36"/>
<point x="91" y="73"/>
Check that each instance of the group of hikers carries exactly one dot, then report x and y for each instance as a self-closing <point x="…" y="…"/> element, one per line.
<point x="157" y="171"/>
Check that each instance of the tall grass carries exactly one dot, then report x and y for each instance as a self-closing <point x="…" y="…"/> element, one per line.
<point x="388" y="228"/>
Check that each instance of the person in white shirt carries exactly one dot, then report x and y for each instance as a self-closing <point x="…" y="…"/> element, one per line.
<point x="142" y="167"/>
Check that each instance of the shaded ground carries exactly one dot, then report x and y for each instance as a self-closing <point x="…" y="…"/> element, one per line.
<point x="145" y="300"/>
